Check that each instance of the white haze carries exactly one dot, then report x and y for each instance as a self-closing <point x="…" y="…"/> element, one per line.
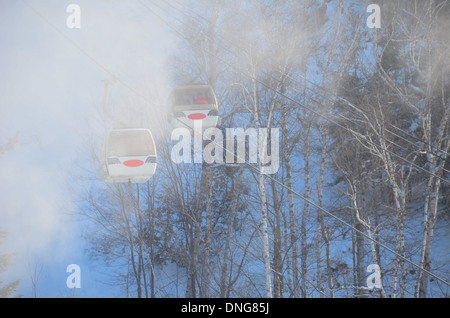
<point x="50" y="96"/>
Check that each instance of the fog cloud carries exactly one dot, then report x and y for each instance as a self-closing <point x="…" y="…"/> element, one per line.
<point x="50" y="91"/>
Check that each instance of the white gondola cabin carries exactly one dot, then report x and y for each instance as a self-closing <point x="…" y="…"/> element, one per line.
<point x="130" y="156"/>
<point x="194" y="103"/>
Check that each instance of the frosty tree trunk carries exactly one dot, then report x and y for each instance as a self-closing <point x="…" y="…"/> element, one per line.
<point x="264" y="203"/>
<point x="224" y="290"/>
<point x="318" y="243"/>
<point x="324" y="231"/>
<point x="292" y="218"/>
<point x="265" y="232"/>
<point x="191" y="291"/>
<point x="278" y="276"/>
<point x="207" y="240"/>
<point x="194" y="235"/>
<point x="140" y="236"/>
<point x="327" y="255"/>
<point x="304" y="238"/>
<point x="321" y="234"/>
<point x="360" y="252"/>
<point x="292" y="231"/>
<point x="207" y="171"/>
<point x="399" y="264"/>
<point x="151" y="222"/>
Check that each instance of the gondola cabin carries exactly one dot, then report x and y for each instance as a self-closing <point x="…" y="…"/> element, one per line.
<point x="130" y="156"/>
<point x="194" y="103"/>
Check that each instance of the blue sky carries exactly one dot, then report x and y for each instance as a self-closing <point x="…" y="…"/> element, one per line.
<point x="50" y="94"/>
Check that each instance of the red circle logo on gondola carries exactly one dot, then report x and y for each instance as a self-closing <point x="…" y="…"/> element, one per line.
<point x="197" y="116"/>
<point x="133" y="163"/>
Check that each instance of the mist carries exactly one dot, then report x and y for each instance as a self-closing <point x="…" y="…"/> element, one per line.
<point x="51" y="95"/>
